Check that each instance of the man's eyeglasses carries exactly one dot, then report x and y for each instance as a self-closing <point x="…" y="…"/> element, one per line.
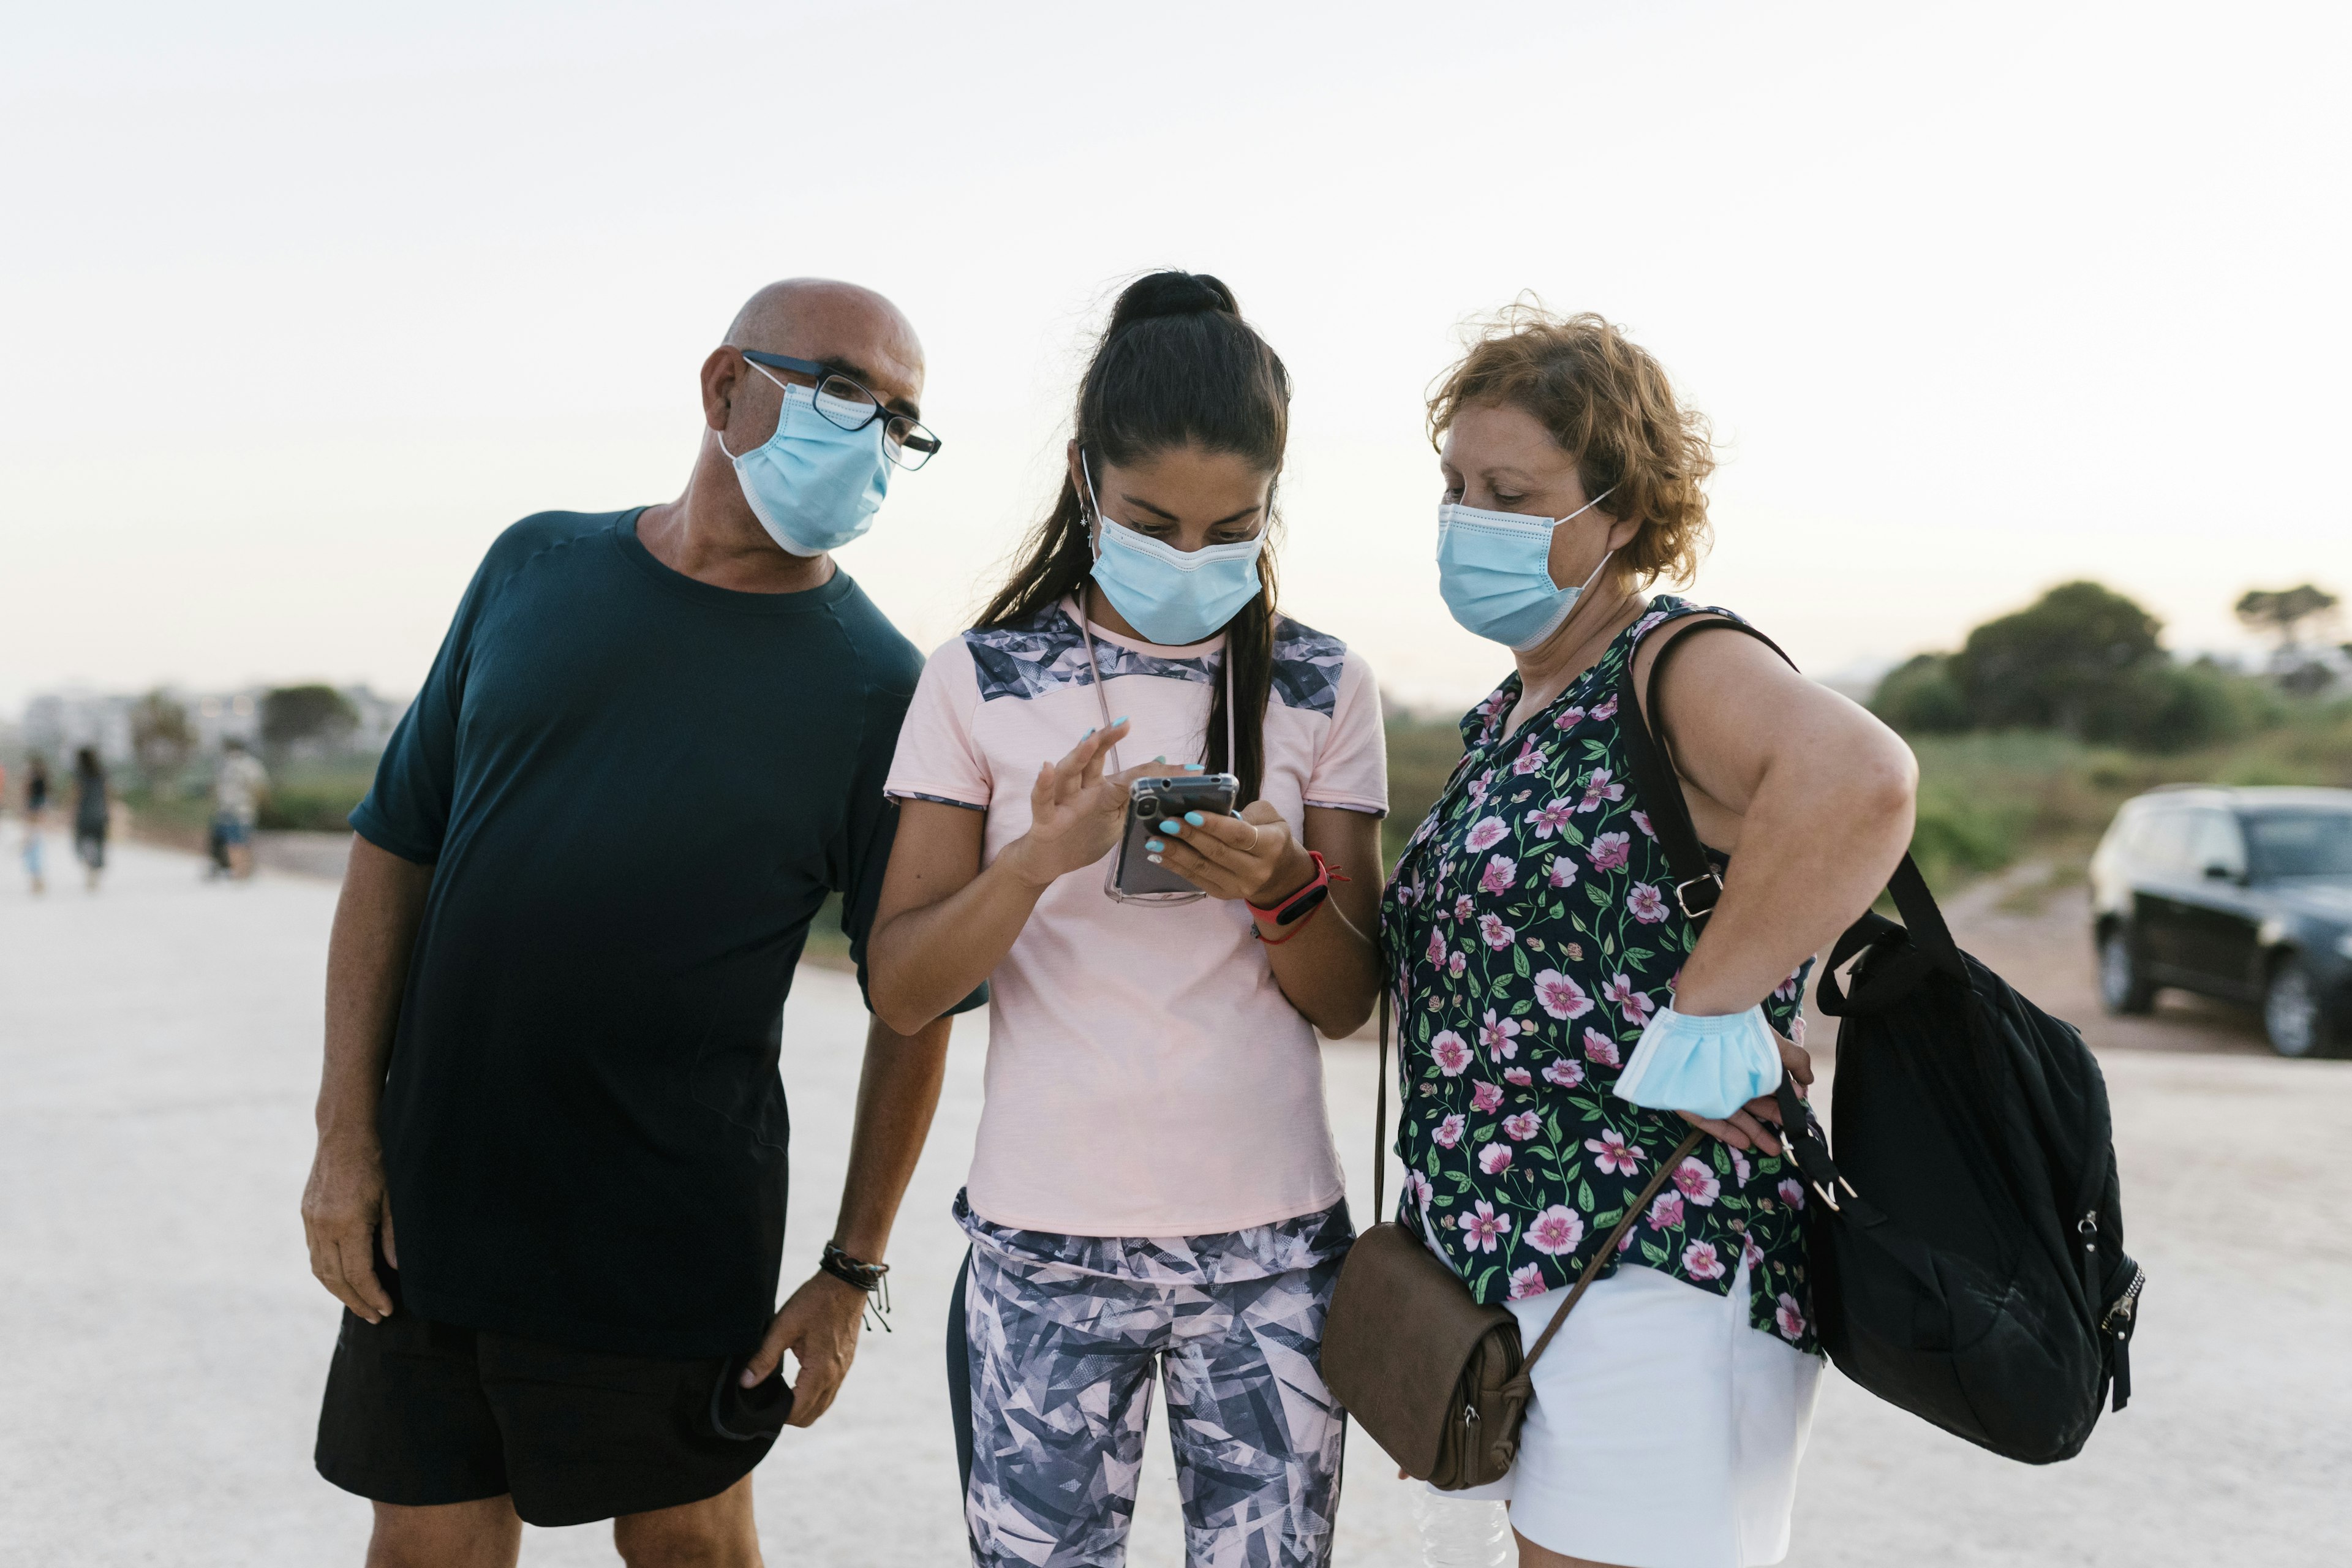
<point x="909" y="445"/>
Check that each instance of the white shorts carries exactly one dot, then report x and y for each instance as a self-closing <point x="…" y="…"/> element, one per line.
<point x="1665" y="1432"/>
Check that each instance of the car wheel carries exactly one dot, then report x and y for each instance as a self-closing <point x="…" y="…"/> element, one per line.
<point x="2122" y="987"/>
<point x="2295" y="1014"/>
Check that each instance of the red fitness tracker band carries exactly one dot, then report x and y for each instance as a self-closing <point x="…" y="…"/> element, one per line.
<point x="1291" y="910"/>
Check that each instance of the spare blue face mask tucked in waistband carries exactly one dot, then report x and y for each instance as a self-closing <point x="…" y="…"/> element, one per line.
<point x="1708" y="1067"/>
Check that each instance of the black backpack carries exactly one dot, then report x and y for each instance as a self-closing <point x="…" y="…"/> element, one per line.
<point x="1966" y="1243"/>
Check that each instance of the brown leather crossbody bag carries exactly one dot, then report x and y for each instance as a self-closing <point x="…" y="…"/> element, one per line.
<point x="1438" y="1380"/>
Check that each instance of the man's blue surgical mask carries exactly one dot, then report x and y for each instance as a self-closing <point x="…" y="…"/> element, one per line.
<point x="812" y="485"/>
<point x="1172" y="596"/>
<point x="1494" y="569"/>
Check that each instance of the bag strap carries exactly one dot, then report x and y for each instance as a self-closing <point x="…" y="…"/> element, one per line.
<point x="1381" y="1113"/>
<point x="1697" y="887"/>
<point x="1633" y="1211"/>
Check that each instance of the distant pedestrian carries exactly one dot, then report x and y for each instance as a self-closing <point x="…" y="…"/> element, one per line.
<point x="89" y="814"/>
<point x="239" y="786"/>
<point x="36" y="817"/>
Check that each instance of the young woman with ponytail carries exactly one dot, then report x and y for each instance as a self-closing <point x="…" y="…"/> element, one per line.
<point x="1154" y="1185"/>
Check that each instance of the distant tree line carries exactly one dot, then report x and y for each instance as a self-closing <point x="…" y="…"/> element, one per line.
<point x="2088" y="662"/>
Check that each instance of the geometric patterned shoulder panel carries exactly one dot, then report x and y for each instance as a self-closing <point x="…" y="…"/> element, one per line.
<point x="1046" y="651"/>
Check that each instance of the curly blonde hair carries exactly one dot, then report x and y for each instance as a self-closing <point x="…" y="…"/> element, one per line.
<point x="1610" y="406"/>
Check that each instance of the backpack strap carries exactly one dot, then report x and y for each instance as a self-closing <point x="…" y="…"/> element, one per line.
<point x="1697" y="887"/>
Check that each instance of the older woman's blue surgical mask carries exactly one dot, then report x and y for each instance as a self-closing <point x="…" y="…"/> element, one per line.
<point x="1494" y="569"/>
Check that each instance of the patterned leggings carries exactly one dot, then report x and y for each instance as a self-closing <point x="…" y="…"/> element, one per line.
<point x="1059" y="1372"/>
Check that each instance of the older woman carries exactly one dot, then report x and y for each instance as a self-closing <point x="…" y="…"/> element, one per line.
<point x="1536" y="940"/>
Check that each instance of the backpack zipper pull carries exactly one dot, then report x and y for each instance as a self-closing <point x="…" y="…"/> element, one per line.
<point x="2088" y="1229"/>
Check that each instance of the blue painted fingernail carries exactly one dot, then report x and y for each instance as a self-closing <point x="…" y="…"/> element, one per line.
<point x="1161" y="758"/>
<point x="1120" y="719"/>
<point x="1172" y="825"/>
<point x="1193" y="817"/>
<point x="1193" y="767"/>
<point x="1154" y="844"/>
<point x="1088" y="733"/>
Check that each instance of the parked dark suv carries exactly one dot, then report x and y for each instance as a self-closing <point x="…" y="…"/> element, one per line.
<point x="2244" y="894"/>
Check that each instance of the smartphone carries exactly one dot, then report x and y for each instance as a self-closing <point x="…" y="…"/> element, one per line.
<point x="1150" y="802"/>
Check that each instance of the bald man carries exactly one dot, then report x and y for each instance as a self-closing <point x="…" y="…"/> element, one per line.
<point x="550" y="1171"/>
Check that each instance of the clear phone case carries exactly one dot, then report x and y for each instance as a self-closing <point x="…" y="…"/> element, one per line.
<point x="1132" y="878"/>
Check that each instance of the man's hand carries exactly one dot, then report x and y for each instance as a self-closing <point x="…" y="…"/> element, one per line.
<point x="342" y="1203"/>
<point x="820" y="1326"/>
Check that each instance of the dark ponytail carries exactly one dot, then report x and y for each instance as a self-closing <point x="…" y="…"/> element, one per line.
<point x="1177" y="366"/>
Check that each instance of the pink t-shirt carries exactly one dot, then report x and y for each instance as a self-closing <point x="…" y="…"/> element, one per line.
<point x="1146" y="1075"/>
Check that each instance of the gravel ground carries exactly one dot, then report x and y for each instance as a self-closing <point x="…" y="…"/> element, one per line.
<point x="159" y="1047"/>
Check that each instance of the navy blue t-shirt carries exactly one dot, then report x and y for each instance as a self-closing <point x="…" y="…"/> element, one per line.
<point x="635" y="791"/>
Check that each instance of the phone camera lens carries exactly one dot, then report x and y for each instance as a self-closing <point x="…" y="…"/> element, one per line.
<point x="1146" y="805"/>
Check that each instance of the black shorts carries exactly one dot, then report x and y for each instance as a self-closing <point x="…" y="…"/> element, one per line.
<point x="419" y="1414"/>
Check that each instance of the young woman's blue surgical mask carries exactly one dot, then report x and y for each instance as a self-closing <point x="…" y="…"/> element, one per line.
<point x="1172" y="596"/>
<point x="812" y="485"/>
<point x="1494" y="569"/>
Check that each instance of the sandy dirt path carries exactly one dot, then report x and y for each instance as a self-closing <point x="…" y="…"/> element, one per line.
<point x="165" y="1344"/>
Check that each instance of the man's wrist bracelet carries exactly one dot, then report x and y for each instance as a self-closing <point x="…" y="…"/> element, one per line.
<point x="873" y="1278"/>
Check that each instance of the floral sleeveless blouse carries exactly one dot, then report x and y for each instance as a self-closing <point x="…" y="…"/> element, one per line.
<point x="1531" y="930"/>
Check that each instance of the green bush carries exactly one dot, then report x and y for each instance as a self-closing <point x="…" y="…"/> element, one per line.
<point x="1919" y="697"/>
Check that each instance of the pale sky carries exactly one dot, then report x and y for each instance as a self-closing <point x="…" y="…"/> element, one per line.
<point x="299" y="308"/>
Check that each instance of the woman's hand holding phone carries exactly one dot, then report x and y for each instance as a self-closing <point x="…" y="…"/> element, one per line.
<point x="1076" y="811"/>
<point x="1251" y="857"/>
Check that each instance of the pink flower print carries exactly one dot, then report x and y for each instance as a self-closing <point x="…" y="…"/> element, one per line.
<point x="1549" y="820"/>
<point x="1636" y="1006"/>
<point x="1500" y="1037"/>
<point x="1645" y="904"/>
<point x="1477" y="790"/>
<point x="1436" y="946"/>
<point x="1563" y="1072"/>
<point x="1750" y="1254"/>
<point x="1641" y="821"/>
<point x="1563" y="872"/>
<point x="1560" y="996"/>
<point x="1519" y="1078"/>
<point x="1527" y="1280"/>
<point x="1522" y="1127"/>
<point x="1451" y="1052"/>
<point x="1600" y="1048"/>
<point x="1569" y="718"/>
<point x="1787" y="990"/>
<point x="1493" y="932"/>
<point x="1654" y="619"/>
<point x="1449" y="1132"/>
<point x="1740" y="1169"/>
<point x="1611" y="850"/>
<point x="1793" y="1192"/>
<point x="1666" y="1211"/>
<point x="1485" y="834"/>
<point x="1486" y="1097"/>
<point x="1456" y="964"/>
<point x="1418" y="1186"/>
<point x="1481" y="1230"/>
<point x="1608" y="710"/>
<point x="1698" y="1182"/>
<point x="1495" y="1159"/>
<point x="1598" y="786"/>
<point x="1501" y="875"/>
<point x="1612" y="1154"/>
<point x="1463" y="907"/>
<point x="1700" y="1262"/>
<point x="1529" y="759"/>
<point x="1791" y="1319"/>
<point x="1556" y="1230"/>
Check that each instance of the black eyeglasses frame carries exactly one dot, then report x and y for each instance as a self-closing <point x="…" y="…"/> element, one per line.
<point x="906" y="435"/>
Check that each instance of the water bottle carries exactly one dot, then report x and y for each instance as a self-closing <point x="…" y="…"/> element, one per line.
<point x="1462" y="1533"/>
